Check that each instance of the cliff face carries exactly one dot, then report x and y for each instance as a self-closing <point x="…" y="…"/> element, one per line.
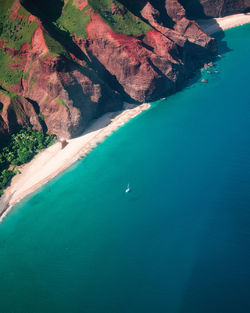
<point x="214" y="8"/>
<point x="61" y="68"/>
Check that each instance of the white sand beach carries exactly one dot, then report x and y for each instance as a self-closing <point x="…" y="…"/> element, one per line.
<point x="54" y="160"/>
<point x="211" y="26"/>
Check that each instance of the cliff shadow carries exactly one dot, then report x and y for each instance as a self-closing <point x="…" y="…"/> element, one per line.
<point x="48" y="14"/>
<point x="108" y="78"/>
<point x="213" y="29"/>
<point x="102" y="121"/>
<point x="195" y="11"/>
<point x="222" y="44"/>
<point x="38" y="113"/>
<point x="136" y="6"/>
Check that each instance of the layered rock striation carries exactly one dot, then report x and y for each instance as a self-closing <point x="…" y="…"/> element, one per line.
<point x="214" y="8"/>
<point x="63" y="67"/>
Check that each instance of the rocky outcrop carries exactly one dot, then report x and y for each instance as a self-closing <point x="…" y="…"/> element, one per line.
<point x="175" y="10"/>
<point x="128" y="59"/>
<point x="214" y="8"/>
<point x="185" y="33"/>
<point x="69" y="75"/>
<point x="55" y="94"/>
<point x="154" y="64"/>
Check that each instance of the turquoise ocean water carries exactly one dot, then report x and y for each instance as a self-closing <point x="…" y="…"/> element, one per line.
<point x="179" y="242"/>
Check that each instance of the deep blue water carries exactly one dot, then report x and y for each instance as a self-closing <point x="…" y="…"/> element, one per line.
<point x="178" y="243"/>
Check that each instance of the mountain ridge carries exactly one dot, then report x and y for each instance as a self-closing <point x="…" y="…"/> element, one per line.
<point x="66" y="64"/>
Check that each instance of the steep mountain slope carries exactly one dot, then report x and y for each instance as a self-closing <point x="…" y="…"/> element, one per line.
<point x="63" y="63"/>
<point x="214" y="8"/>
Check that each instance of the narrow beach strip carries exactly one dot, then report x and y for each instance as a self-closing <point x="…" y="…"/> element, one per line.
<point x="215" y="25"/>
<point x="54" y="160"/>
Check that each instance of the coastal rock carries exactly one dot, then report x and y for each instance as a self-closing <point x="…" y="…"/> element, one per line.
<point x="214" y="8"/>
<point x="152" y="15"/>
<point x="129" y="60"/>
<point x="55" y="95"/>
<point x="64" y="76"/>
<point x="175" y="10"/>
<point x="192" y="31"/>
<point x="152" y="65"/>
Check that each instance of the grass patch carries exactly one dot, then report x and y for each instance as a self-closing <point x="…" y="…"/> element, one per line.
<point x="7" y="75"/>
<point x="73" y="20"/>
<point x="5" y="5"/>
<point x="55" y="48"/>
<point x="18" y="31"/>
<point x="122" y="20"/>
<point x="23" y="12"/>
<point x="41" y="116"/>
<point x="61" y="102"/>
<point x="25" y="75"/>
<point x="8" y="93"/>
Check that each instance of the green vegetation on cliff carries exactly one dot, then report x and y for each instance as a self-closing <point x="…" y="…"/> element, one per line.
<point x="119" y="18"/>
<point x="55" y="48"/>
<point x="5" y="5"/>
<point x="60" y="101"/>
<point x="16" y="31"/>
<point x="21" y="148"/>
<point x="73" y="20"/>
<point x="7" y="75"/>
<point x="8" y="93"/>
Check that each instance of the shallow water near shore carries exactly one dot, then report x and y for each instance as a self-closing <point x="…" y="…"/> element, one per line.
<point x="177" y="243"/>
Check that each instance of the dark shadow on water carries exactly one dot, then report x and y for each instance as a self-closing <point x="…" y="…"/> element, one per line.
<point x="195" y="11"/>
<point x="219" y="35"/>
<point x="222" y="44"/>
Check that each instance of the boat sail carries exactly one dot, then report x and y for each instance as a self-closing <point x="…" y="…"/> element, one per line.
<point x="128" y="189"/>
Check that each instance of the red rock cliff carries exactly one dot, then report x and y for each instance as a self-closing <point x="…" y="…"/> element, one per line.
<point x="84" y="58"/>
<point x="214" y="8"/>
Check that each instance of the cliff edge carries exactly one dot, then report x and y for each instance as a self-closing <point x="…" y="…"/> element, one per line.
<point x="63" y="65"/>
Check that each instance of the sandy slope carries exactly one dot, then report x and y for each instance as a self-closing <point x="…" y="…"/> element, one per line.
<point x="215" y="25"/>
<point x="52" y="161"/>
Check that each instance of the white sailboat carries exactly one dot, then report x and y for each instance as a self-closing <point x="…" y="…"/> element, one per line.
<point x="128" y="189"/>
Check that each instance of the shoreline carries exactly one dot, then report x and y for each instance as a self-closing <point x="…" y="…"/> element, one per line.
<point x="215" y="25"/>
<point x="52" y="161"/>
